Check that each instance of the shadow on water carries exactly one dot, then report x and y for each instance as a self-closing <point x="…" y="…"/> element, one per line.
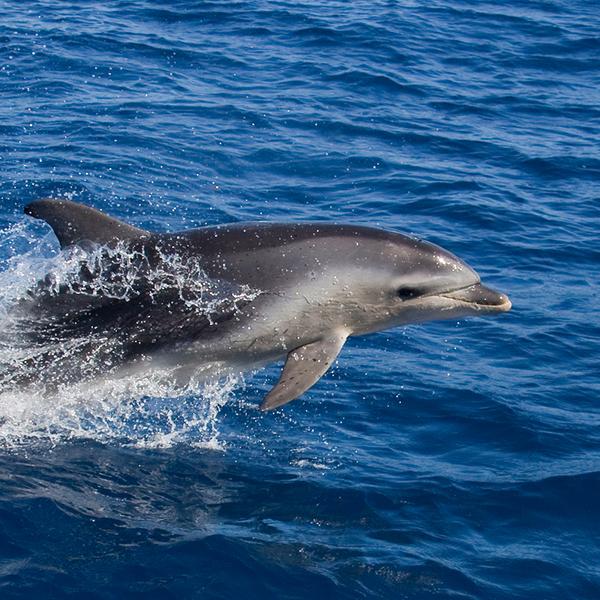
<point x="110" y="521"/>
<point x="84" y="516"/>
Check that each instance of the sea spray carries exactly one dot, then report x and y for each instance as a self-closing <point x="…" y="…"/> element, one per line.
<point x="58" y="376"/>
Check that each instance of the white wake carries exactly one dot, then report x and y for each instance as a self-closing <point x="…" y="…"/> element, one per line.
<point x="150" y="407"/>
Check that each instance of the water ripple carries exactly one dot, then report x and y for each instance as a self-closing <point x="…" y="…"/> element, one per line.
<point x="451" y="460"/>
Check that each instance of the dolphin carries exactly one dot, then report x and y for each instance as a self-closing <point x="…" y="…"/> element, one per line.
<point x="293" y="291"/>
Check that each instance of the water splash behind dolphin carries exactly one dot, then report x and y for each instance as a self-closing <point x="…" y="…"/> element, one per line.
<point x="58" y="360"/>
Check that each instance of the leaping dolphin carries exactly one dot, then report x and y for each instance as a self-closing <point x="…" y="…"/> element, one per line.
<point x="309" y="286"/>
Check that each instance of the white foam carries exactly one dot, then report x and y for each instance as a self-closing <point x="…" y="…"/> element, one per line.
<point x="148" y="408"/>
<point x="146" y="411"/>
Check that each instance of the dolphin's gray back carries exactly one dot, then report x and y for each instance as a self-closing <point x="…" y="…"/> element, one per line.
<point x="278" y="254"/>
<point x="266" y="256"/>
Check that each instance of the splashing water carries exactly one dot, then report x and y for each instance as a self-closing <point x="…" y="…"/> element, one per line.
<point x="53" y="369"/>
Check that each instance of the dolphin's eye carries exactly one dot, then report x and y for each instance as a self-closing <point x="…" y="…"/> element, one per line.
<point x="407" y="293"/>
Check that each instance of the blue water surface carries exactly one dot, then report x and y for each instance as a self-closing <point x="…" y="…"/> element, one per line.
<point x="448" y="460"/>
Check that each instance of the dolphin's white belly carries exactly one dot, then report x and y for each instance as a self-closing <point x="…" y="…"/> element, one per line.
<point x="266" y="332"/>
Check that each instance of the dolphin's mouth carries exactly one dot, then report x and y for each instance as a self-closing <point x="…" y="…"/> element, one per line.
<point x="481" y="297"/>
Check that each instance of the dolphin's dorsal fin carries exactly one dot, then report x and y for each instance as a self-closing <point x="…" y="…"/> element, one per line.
<point x="303" y="368"/>
<point x="74" y="223"/>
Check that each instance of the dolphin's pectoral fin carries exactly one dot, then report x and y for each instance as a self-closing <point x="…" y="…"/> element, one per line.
<point x="74" y="223"/>
<point x="303" y="368"/>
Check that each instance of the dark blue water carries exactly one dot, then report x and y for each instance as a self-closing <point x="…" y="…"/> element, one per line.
<point x="449" y="460"/>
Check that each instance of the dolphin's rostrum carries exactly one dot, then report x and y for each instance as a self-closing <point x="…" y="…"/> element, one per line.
<point x="315" y="284"/>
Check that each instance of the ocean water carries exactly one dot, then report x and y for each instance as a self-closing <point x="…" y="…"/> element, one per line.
<point x="445" y="460"/>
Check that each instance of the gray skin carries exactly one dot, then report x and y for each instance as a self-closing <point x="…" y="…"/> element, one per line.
<point x="319" y="283"/>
